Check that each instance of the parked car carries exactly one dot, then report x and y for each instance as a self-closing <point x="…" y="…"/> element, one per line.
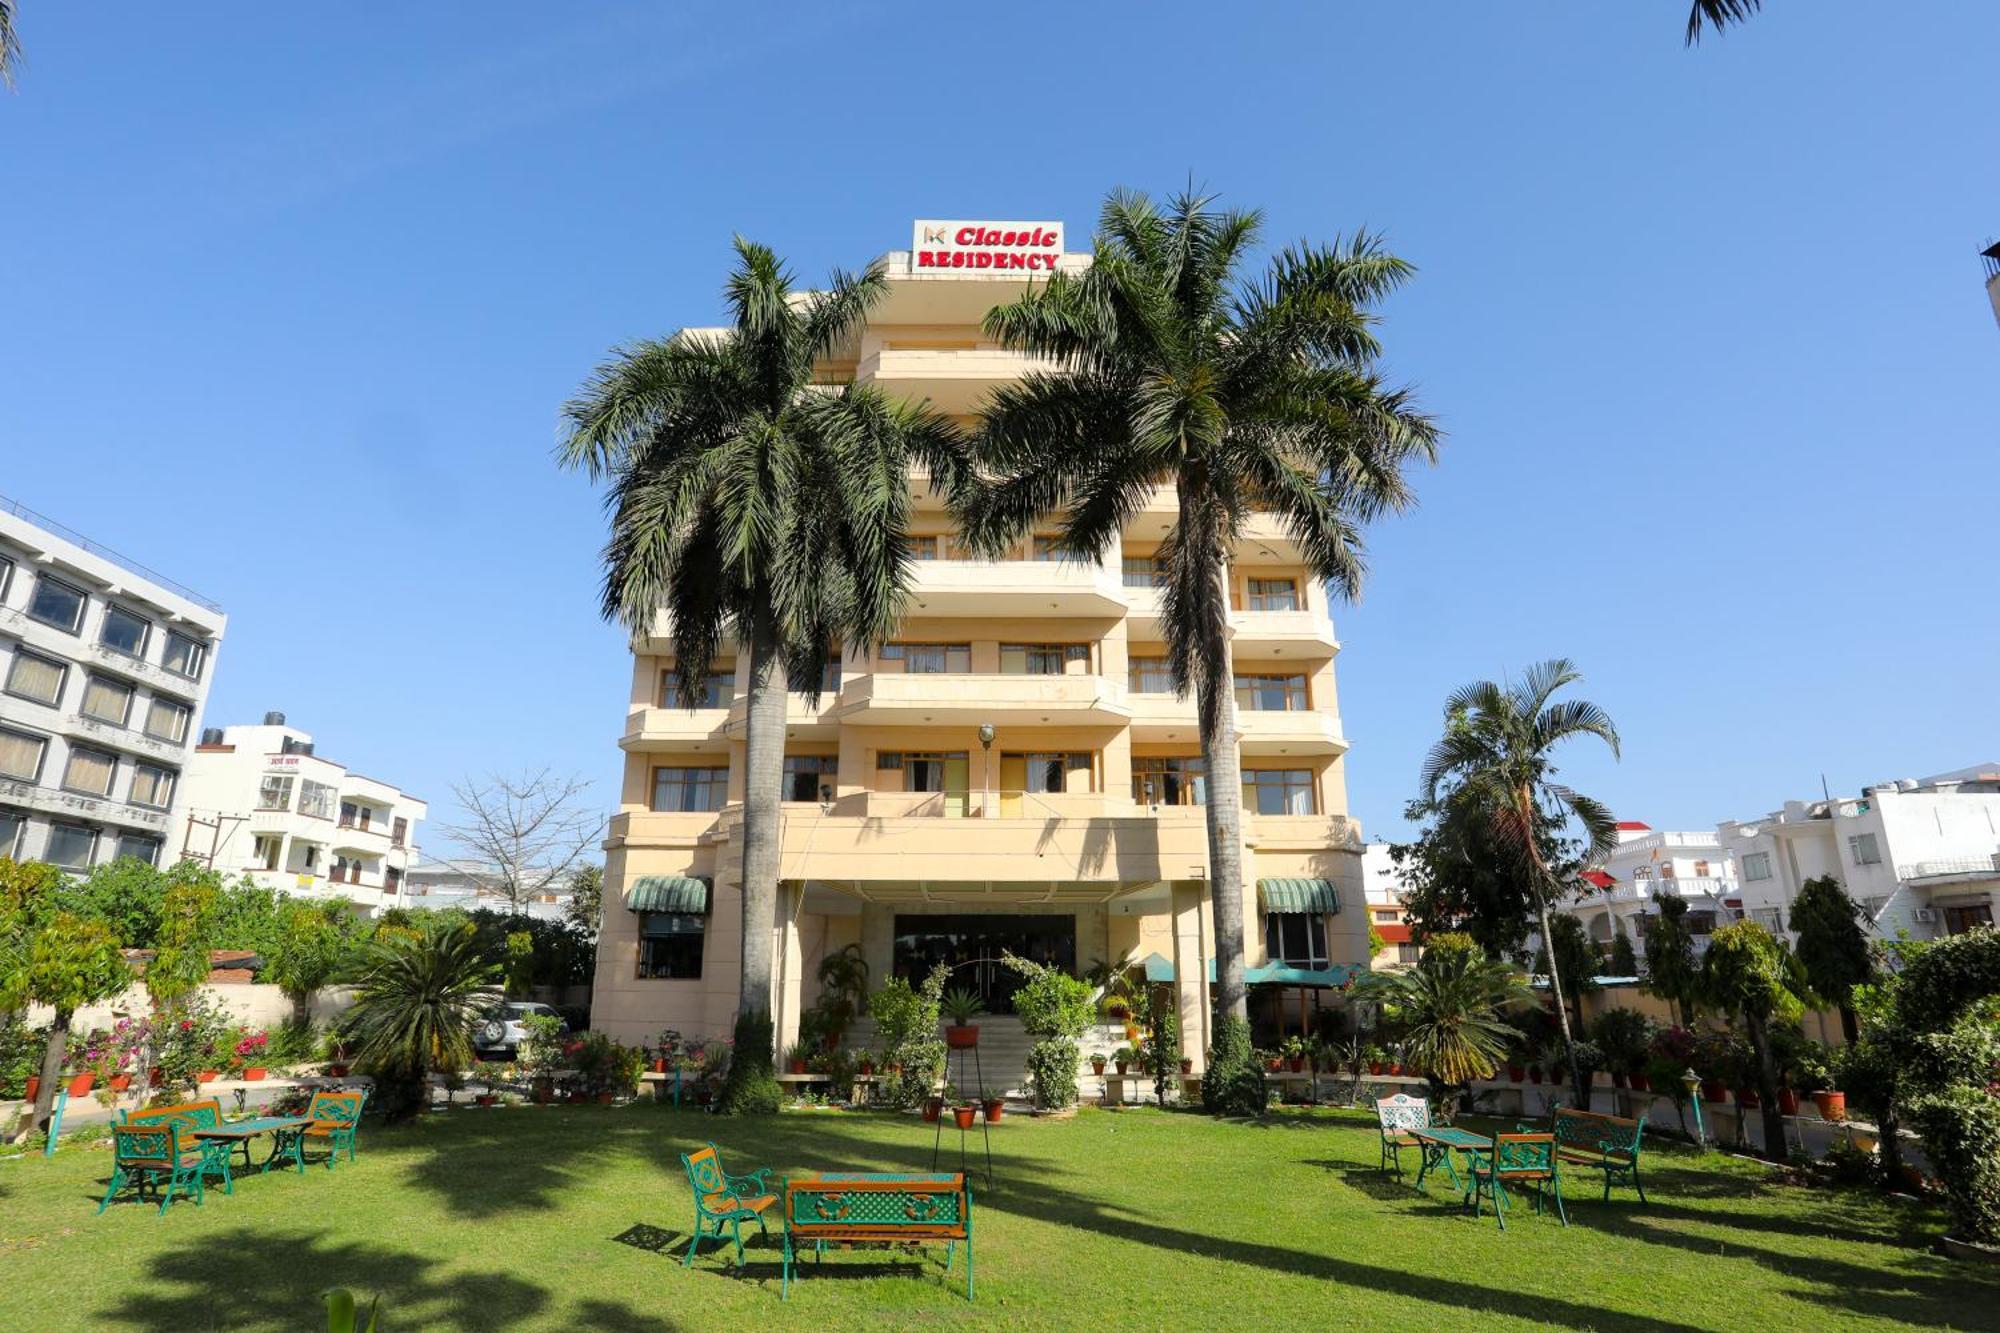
<point x="503" y="1028"/>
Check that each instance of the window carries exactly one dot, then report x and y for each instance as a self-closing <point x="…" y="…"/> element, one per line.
<point x="1768" y="918"/>
<point x="139" y="847"/>
<point x="927" y="772"/>
<point x="670" y="946"/>
<point x="1296" y="939"/>
<point x="56" y="603"/>
<point x="348" y="812"/>
<point x="167" y="720"/>
<point x="308" y="857"/>
<point x="806" y="773"/>
<point x="153" y="786"/>
<point x="316" y="798"/>
<point x="1864" y="849"/>
<point x="1873" y="906"/>
<point x="1271" y="694"/>
<point x="1144" y="571"/>
<point x="399" y="832"/>
<point x="264" y="850"/>
<point x="6" y="574"/>
<point x="1151" y="675"/>
<point x="12" y="824"/>
<point x="1278" y="791"/>
<point x="689" y="790"/>
<point x="346" y="870"/>
<point x="21" y="754"/>
<point x="1043" y="659"/>
<point x="124" y="632"/>
<point x="1757" y="865"/>
<point x="107" y="700"/>
<point x="71" y="845"/>
<point x="1274" y="595"/>
<point x="1168" y="780"/>
<point x="1700" y="923"/>
<point x="717" y="689"/>
<point x="37" y="678"/>
<point x="90" y="772"/>
<point x="1043" y="773"/>
<point x="1046" y="547"/>
<point x="184" y="656"/>
<point x="1640" y="873"/>
<point x="1408" y="953"/>
<point x="1958" y="920"/>
<point x="930" y="659"/>
<point x="924" y="547"/>
<point x="275" y="792"/>
<point x="1701" y="870"/>
<point x="392" y="880"/>
<point x="1387" y="918"/>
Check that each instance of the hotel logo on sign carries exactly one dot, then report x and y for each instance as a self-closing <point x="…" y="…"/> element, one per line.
<point x="1023" y="247"/>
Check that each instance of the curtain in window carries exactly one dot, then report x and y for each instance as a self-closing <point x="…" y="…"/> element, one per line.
<point x="90" y="772"/>
<point x="20" y="754"/>
<point x="36" y="677"/>
<point x="107" y="700"/>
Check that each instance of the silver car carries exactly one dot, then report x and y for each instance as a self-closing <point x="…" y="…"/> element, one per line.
<point x="504" y="1028"/>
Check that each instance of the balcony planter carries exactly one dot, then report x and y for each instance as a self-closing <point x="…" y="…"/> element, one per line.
<point x="1832" y="1105"/>
<point x="254" y="1074"/>
<point x="1788" y="1102"/>
<point x="81" y="1084"/>
<point x="1516" y="1073"/>
<point x="961" y="1038"/>
<point x="1714" y="1092"/>
<point x="994" y="1107"/>
<point x="933" y="1108"/>
<point x="964" y="1115"/>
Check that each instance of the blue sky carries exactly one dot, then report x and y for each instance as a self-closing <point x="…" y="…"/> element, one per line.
<point x="287" y="309"/>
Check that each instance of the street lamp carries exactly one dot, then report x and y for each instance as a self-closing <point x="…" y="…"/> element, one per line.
<point x="986" y="735"/>
<point x="1692" y="1082"/>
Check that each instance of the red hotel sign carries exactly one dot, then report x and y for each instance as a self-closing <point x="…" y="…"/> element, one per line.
<point x="1027" y="247"/>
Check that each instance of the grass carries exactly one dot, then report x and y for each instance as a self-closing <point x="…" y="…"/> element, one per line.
<point x="573" y="1217"/>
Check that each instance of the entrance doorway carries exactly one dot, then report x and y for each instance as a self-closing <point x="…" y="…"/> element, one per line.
<point x="972" y="946"/>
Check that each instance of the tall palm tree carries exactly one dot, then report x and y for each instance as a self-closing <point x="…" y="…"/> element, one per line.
<point x="751" y="504"/>
<point x="1172" y="368"/>
<point x="10" y="44"/>
<point x="1718" y="14"/>
<point x="1496" y="759"/>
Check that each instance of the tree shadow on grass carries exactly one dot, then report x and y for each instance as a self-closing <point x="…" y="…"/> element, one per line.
<point x="486" y="1161"/>
<point x="263" y="1279"/>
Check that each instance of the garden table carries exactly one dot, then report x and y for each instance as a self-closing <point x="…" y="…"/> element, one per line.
<point x="1438" y="1143"/>
<point x="285" y="1138"/>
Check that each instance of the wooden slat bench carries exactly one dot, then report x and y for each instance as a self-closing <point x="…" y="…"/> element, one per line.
<point x="892" y="1208"/>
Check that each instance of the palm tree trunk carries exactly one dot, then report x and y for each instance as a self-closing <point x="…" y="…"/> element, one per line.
<point x="52" y="1065"/>
<point x="763" y="779"/>
<point x="1759" y="1031"/>
<point x="1216" y="698"/>
<point x="1576" y="1078"/>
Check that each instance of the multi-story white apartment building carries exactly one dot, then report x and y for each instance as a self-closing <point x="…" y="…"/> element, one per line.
<point x="1922" y="857"/>
<point x="1013" y="772"/>
<point x="1617" y="897"/>
<point x="261" y="802"/>
<point x="104" y="668"/>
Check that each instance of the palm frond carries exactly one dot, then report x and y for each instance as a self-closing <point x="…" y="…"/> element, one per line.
<point x="1717" y="14"/>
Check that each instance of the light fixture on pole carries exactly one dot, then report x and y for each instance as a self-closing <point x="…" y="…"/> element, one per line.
<point x="986" y="735"/>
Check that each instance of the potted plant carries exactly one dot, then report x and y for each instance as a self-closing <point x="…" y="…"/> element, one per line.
<point x="994" y="1106"/>
<point x="248" y="1056"/>
<point x="1187" y="1064"/>
<point x="1376" y="1058"/>
<point x="796" y="1056"/>
<point x="964" y="1114"/>
<point x="1293" y="1049"/>
<point x="934" y="1104"/>
<point x="1517" y="1062"/>
<point x="961" y="1006"/>
<point x="867" y="1069"/>
<point x="1097" y="1063"/>
<point x="1123" y="1057"/>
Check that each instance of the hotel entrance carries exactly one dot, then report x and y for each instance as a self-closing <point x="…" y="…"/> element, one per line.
<point x="972" y="945"/>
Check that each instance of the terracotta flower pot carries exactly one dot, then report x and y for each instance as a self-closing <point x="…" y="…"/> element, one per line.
<point x="81" y="1084"/>
<point x="120" y="1082"/>
<point x="1515" y="1073"/>
<point x="1534" y="1073"/>
<point x="994" y="1108"/>
<point x="1097" y="1067"/>
<point x="933" y="1109"/>
<point x="1298" y="1064"/>
<point x="867" y="1069"/>
<point x="659" y="1066"/>
<point x="207" y="1075"/>
<point x="1375" y="1068"/>
<point x="961" y="1038"/>
<point x="604" y="1098"/>
<point x="336" y="1070"/>
<point x="796" y="1066"/>
<point x="1640" y="1083"/>
<point x="34" y="1086"/>
<point x="1131" y="1033"/>
<point x="1832" y="1105"/>
<point x="1121" y="1066"/>
<point x="1396" y="1069"/>
<point x="964" y="1115"/>
<point x="544" y="1092"/>
<point x="1788" y="1102"/>
<point x="254" y="1073"/>
<point x="1187" y="1066"/>
<point x="1714" y="1091"/>
<point x="485" y="1099"/>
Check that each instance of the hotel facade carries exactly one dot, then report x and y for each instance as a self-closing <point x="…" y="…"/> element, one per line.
<point x="1011" y="772"/>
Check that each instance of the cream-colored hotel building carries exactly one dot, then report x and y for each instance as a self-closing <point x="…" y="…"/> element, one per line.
<point x="1076" y="835"/>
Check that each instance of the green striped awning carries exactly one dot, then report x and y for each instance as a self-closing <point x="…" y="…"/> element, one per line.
<point x="1298" y="895"/>
<point x="1158" y="970"/>
<point x="668" y="893"/>
<point x="1335" y="977"/>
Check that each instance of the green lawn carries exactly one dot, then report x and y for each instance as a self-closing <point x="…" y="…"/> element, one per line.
<point x="554" y="1218"/>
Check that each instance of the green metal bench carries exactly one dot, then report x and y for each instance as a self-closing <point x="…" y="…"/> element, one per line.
<point x="154" y="1155"/>
<point x="1517" y="1159"/>
<point x="885" y="1208"/>
<point x="722" y="1200"/>
<point x="187" y="1117"/>
<point x="1600" y="1142"/>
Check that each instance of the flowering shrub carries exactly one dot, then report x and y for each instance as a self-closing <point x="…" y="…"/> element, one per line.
<point x="195" y="1037"/>
<point x="248" y="1051"/>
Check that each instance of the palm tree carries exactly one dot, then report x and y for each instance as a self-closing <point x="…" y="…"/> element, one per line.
<point x="1173" y="369"/>
<point x="1718" y="14"/>
<point x="10" y="44"/>
<point x="1450" y="1008"/>
<point x="420" y="998"/>
<point x="1496" y="756"/>
<point x="751" y="503"/>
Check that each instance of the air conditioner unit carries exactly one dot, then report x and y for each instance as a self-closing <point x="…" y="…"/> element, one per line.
<point x="1923" y="916"/>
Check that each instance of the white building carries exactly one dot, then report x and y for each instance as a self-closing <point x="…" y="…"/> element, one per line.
<point x="262" y="803"/>
<point x="1922" y="857"/>
<point x="104" y="668"/>
<point x="1618" y="895"/>
<point x="1386" y="892"/>
<point x="470" y="885"/>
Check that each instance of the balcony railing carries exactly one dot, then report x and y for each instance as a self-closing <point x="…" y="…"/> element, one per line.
<point x="1960" y="865"/>
<point x="130" y="566"/>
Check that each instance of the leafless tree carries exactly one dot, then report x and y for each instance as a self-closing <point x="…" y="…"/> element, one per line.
<point x="524" y="836"/>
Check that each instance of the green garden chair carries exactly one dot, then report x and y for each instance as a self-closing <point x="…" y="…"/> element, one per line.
<point x="720" y="1198"/>
<point x="335" y="1122"/>
<point x="152" y="1154"/>
<point x="1395" y="1117"/>
<point x="1518" y="1159"/>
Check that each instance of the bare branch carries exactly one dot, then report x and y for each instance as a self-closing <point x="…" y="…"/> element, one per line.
<point x="525" y="835"/>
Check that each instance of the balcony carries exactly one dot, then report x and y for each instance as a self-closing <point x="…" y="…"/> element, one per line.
<point x="651" y="729"/>
<point x="967" y="699"/>
<point x="1255" y="636"/>
<point x="1015" y="588"/>
<point x="1968" y="868"/>
<point x="1297" y="732"/>
<point x="1641" y="891"/>
<point x="71" y="805"/>
<point x="954" y="380"/>
<point x="803" y="721"/>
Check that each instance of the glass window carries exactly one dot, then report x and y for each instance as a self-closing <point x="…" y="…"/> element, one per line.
<point x="1864" y="849"/>
<point x="1168" y="780"/>
<point x="974" y="945"/>
<point x="1274" y="595"/>
<point x="1043" y="659"/>
<point x="1768" y="918"/>
<point x="398" y="832"/>
<point x="71" y="845"/>
<point x="1278" y="791"/>
<point x="1144" y="571"/>
<point x="107" y="700"/>
<point x="6" y="575"/>
<point x="1757" y="865"/>
<point x="1874" y="906"/>
<point x="184" y="656"/>
<point x="264" y="850"/>
<point x="717" y="689"/>
<point x="124" y="632"/>
<point x="12" y="825"/>
<point x="1271" y="694"/>
<point x="275" y="792"/>
<point x="21" y="754"/>
<point x="1296" y="939"/>
<point x="670" y="945"/>
<point x="927" y="772"/>
<point x="690" y="790"/>
<point x="139" y="847"/>
<point x="923" y="548"/>
<point x="1045" y="548"/>
<point x="90" y="772"/>
<point x="806" y="773"/>
<point x="316" y="798"/>
<point x="37" y="678"/>
<point x="1700" y="923"/>
<point x="152" y="785"/>
<point x="1958" y="920"/>
<point x="930" y="659"/>
<point x="1701" y="870"/>
<point x="56" y="603"/>
<point x="1044" y="773"/>
<point x="167" y="720"/>
<point x="1151" y="675"/>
